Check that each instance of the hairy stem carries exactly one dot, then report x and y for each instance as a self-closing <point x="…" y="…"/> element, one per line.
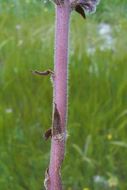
<point x="61" y="60"/>
<point x="60" y="97"/>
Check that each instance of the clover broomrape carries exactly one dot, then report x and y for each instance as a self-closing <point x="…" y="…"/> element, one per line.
<point x="59" y="76"/>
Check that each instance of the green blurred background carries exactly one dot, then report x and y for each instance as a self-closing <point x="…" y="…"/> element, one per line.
<point x="96" y="154"/>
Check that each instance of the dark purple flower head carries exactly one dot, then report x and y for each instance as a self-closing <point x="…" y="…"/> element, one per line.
<point x="84" y="6"/>
<point x="88" y="5"/>
<point x="80" y="6"/>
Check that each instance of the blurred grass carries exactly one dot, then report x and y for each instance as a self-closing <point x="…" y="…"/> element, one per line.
<point x="97" y="144"/>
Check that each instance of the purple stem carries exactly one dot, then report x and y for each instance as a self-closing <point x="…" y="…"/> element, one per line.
<point x="61" y="60"/>
<point x="60" y="95"/>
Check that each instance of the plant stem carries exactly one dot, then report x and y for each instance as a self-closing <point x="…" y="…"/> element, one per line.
<point x="61" y="60"/>
<point x="60" y="96"/>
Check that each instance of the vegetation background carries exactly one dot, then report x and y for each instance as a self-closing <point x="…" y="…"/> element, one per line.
<point x="96" y="155"/>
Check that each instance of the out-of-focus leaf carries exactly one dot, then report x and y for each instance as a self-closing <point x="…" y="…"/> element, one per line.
<point x="119" y="143"/>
